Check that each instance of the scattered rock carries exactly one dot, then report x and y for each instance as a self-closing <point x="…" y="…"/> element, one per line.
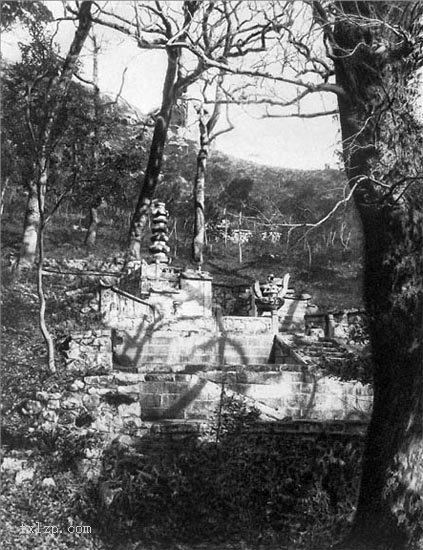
<point x="71" y="403"/>
<point x="76" y="385"/>
<point x="42" y="396"/>
<point x="107" y="493"/>
<point x="55" y="395"/>
<point x="12" y="465"/>
<point x="49" y="416"/>
<point x="24" y="475"/>
<point x="91" y="401"/>
<point x="90" y="469"/>
<point x="48" y="483"/>
<point x="67" y="418"/>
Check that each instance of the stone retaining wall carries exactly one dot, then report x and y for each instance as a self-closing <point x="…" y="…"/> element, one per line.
<point x="126" y="403"/>
<point x="140" y="351"/>
<point x="120" y="312"/>
<point x="88" y="351"/>
<point x="104" y="404"/>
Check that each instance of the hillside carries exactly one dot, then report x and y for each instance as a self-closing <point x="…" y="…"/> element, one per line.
<point x="266" y="198"/>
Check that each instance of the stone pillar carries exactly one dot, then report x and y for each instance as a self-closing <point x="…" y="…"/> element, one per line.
<point x="159" y="248"/>
<point x="197" y="285"/>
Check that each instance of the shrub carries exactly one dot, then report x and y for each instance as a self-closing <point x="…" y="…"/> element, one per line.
<point x="246" y="483"/>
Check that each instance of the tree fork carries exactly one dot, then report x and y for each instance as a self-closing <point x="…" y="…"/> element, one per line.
<point x="151" y="177"/>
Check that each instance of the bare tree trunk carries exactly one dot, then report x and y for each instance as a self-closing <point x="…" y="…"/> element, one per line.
<point x="3" y="193"/>
<point x="175" y="252"/>
<point x="28" y="249"/>
<point x="92" y="227"/>
<point x="149" y="183"/>
<point x="91" y="236"/>
<point x="41" y="191"/>
<point x="239" y="238"/>
<point x="206" y="137"/>
<point x="199" y="183"/>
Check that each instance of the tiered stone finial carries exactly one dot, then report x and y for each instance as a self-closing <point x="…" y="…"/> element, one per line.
<point x="159" y="248"/>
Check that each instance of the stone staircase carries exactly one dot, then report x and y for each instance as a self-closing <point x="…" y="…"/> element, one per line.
<point x="321" y="348"/>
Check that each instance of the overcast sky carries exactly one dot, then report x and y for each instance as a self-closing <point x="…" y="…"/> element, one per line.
<point x="287" y="142"/>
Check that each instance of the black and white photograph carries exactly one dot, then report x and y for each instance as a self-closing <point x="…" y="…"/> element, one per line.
<point x="211" y="275"/>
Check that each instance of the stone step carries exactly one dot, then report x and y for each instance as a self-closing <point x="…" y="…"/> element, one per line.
<point x="319" y="353"/>
<point x="305" y="342"/>
<point x="192" y="368"/>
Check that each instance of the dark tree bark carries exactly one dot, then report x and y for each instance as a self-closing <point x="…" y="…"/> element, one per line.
<point x="174" y="85"/>
<point x="151" y="176"/>
<point x="199" y="184"/>
<point x="382" y="152"/>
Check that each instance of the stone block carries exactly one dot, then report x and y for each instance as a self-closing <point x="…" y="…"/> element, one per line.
<point x="257" y="391"/>
<point x="76" y="385"/>
<point x="173" y="400"/>
<point x="292" y="377"/>
<point x="200" y="409"/>
<point x="150" y="400"/>
<point x="91" y="402"/>
<point x="49" y="416"/>
<point x="159" y="377"/>
<point x="128" y="377"/>
<point x="133" y="390"/>
<point x="210" y="391"/>
<point x="290" y="412"/>
<point x="298" y="400"/>
<point x="133" y="409"/>
<point x="98" y="391"/>
<point x="151" y="413"/>
<point x="272" y="402"/>
<point x="73" y="402"/>
<point x="99" y="380"/>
